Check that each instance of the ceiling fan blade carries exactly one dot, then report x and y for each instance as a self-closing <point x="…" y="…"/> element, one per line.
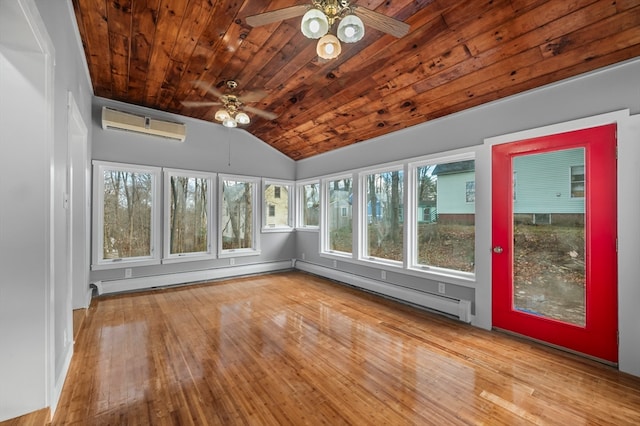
<point x="381" y="22"/>
<point x="277" y="15"/>
<point x="196" y="104"/>
<point x="209" y="88"/>
<point x="253" y="96"/>
<point x="264" y="114"/>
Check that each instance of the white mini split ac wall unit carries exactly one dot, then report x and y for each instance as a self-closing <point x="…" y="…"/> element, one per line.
<point x="114" y="119"/>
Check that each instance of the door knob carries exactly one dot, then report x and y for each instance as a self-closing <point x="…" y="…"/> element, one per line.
<point x="497" y="249"/>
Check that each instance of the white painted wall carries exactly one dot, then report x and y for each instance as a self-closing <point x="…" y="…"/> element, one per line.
<point x="36" y="284"/>
<point x="25" y="219"/>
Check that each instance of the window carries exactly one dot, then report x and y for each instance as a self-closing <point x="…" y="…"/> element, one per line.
<point x="470" y="191"/>
<point x="338" y="235"/>
<point x="577" y="181"/>
<point x="309" y="205"/>
<point x="383" y="206"/>
<point x="126" y="215"/>
<point x="446" y="240"/>
<point x="237" y="230"/>
<point x="278" y="205"/>
<point x="188" y="215"/>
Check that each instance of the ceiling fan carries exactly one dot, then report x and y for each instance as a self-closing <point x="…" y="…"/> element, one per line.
<point x="319" y="16"/>
<point x="233" y="106"/>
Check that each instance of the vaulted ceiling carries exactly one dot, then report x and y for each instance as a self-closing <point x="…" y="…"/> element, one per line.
<point x="457" y="54"/>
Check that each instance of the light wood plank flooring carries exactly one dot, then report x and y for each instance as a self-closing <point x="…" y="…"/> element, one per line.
<point x="296" y="349"/>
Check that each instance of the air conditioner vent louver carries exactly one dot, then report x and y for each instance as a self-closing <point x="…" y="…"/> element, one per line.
<point x="114" y="119"/>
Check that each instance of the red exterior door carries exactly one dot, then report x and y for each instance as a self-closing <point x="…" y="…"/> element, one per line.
<point x="554" y="240"/>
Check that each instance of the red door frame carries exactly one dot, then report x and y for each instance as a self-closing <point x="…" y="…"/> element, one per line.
<point x="598" y="338"/>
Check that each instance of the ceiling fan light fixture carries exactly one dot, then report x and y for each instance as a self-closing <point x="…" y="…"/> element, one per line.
<point x="222" y="114"/>
<point x="242" y="118"/>
<point x="350" y="29"/>
<point x="230" y="122"/>
<point x="328" y="47"/>
<point x="314" y="24"/>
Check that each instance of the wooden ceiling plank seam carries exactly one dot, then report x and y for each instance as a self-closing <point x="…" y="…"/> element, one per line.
<point x="623" y="5"/>
<point x="556" y="21"/>
<point x="603" y="28"/>
<point x="119" y="47"/>
<point x="442" y="92"/>
<point x="143" y="31"/>
<point x="274" y="51"/>
<point x="507" y="49"/>
<point x="539" y="81"/>
<point x="536" y="69"/>
<point x="79" y="13"/>
<point x="462" y="14"/>
<point x="195" y="20"/>
<point x="523" y="6"/>
<point x="168" y="22"/>
<point x="233" y="29"/>
<point x="119" y="19"/>
<point x="97" y="40"/>
<point x="221" y="15"/>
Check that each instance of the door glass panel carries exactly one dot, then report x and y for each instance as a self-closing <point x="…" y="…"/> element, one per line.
<point x="549" y="235"/>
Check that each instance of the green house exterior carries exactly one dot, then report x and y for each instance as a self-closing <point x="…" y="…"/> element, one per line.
<point x="548" y="189"/>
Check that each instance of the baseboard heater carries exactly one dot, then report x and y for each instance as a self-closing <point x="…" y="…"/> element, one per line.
<point x="150" y="282"/>
<point x="460" y="309"/>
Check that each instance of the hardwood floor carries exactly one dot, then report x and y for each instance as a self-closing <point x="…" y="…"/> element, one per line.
<point x="293" y="348"/>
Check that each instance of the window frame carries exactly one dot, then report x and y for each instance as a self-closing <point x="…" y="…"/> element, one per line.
<point x="324" y="217"/>
<point x="572" y="182"/>
<point x="98" y="260"/>
<point x="363" y="217"/>
<point x="300" y="217"/>
<point x="411" y="219"/>
<point x="255" y="220"/>
<point x="211" y="252"/>
<point x="290" y="207"/>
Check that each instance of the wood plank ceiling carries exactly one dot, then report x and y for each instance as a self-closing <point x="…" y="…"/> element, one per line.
<point x="458" y="54"/>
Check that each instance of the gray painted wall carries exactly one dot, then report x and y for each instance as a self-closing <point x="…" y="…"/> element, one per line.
<point x="209" y="148"/>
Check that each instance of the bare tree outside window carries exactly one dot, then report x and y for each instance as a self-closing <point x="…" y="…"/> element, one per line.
<point x="188" y="215"/>
<point x="127" y="209"/>
<point x="384" y="219"/>
<point x="340" y="225"/>
<point x="237" y="214"/>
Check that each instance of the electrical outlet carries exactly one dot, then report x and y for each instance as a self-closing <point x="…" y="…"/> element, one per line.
<point x="127" y="273"/>
<point x="383" y="275"/>
<point x="441" y="288"/>
<point x="232" y="261"/>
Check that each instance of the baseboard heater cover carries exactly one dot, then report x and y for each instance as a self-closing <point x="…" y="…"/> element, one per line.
<point x="460" y="309"/>
<point x="146" y="283"/>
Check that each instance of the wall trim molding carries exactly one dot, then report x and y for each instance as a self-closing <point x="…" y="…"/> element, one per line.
<point x="165" y="280"/>
<point x="59" y="381"/>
